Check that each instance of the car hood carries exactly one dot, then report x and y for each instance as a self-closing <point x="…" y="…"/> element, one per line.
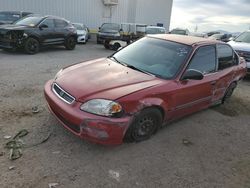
<point x="13" y="27"/>
<point x="103" y="78"/>
<point x="240" y="46"/>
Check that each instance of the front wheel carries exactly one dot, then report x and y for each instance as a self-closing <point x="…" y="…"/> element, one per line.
<point x="31" y="46"/>
<point x="144" y="125"/>
<point x="70" y="43"/>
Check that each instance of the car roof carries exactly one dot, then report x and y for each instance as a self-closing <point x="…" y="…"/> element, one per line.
<point x="188" y="40"/>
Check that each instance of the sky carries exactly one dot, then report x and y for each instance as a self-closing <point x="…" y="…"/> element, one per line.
<point x="210" y="15"/>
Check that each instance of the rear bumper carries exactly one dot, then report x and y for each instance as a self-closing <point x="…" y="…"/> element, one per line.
<point x="97" y="129"/>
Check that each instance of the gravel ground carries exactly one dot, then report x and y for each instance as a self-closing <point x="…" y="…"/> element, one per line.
<point x="217" y="153"/>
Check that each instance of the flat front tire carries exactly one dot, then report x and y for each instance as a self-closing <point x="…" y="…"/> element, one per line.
<point x="145" y="124"/>
<point x="31" y="46"/>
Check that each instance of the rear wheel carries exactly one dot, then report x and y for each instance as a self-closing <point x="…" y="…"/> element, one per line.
<point x="144" y="125"/>
<point x="70" y="43"/>
<point x="31" y="46"/>
<point x="229" y="92"/>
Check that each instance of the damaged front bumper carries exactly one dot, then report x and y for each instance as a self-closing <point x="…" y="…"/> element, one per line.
<point x="97" y="129"/>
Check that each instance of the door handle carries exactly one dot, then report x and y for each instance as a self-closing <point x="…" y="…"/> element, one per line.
<point x="213" y="83"/>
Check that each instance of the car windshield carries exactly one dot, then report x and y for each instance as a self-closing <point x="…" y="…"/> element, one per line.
<point x="155" y="56"/>
<point x="78" y="26"/>
<point x="244" y="37"/>
<point x="9" y="16"/>
<point x="110" y="26"/>
<point x="155" y="31"/>
<point x="29" y="21"/>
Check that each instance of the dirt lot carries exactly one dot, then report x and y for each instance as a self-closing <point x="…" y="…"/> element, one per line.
<point x="218" y="154"/>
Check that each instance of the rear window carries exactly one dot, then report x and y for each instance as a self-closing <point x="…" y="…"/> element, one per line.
<point x="60" y="23"/>
<point x="225" y="56"/>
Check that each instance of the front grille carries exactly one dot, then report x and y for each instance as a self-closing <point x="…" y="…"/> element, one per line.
<point x="73" y="127"/>
<point x="244" y="54"/>
<point x="62" y="94"/>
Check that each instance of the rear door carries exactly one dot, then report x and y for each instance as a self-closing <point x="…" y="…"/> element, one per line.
<point x="61" y="29"/>
<point x="226" y="70"/>
<point x="194" y="95"/>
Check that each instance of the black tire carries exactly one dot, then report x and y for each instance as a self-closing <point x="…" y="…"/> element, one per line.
<point x="144" y="125"/>
<point x="70" y="43"/>
<point x="229" y="92"/>
<point x="31" y="46"/>
<point x="106" y="45"/>
<point x="116" y="46"/>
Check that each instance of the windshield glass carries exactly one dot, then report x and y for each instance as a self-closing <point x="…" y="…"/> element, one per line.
<point x="244" y="37"/>
<point x="155" y="31"/>
<point x="9" y="16"/>
<point x="78" y="27"/>
<point x="29" y="21"/>
<point x="178" y="32"/>
<point x="110" y="26"/>
<point x="158" y="57"/>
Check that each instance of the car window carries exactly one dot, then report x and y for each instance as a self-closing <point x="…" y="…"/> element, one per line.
<point x="61" y="23"/>
<point x="204" y="60"/>
<point x="225" y="56"/>
<point x="158" y="57"/>
<point x="49" y="23"/>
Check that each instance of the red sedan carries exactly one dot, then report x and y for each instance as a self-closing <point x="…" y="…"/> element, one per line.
<point x="132" y="93"/>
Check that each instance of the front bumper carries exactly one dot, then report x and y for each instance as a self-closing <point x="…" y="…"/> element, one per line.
<point x="97" y="129"/>
<point x="7" y="44"/>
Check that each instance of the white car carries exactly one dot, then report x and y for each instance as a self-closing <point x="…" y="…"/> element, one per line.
<point x="82" y="33"/>
<point x="151" y="30"/>
<point x="241" y="45"/>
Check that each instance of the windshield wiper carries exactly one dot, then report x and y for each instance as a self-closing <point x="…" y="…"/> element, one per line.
<point x="140" y="70"/>
<point x="129" y="66"/>
<point x="117" y="61"/>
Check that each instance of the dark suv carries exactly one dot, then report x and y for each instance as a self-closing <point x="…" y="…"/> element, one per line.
<point x="9" y="17"/>
<point x="33" y="32"/>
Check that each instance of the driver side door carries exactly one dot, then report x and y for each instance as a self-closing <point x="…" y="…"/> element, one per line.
<point x="47" y="31"/>
<point x="194" y="95"/>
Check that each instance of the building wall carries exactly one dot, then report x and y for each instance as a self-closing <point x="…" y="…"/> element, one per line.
<point x="93" y="13"/>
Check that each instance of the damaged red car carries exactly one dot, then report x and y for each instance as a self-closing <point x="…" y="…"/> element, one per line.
<point x="132" y="93"/>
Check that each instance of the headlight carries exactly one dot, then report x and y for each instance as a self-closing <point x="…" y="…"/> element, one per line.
<point x="102" y="107"/>
<point x="58" y="74"/>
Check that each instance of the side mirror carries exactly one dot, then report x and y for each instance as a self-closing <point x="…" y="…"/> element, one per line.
<point x="192" y="74"/>
<point x="43" y="26"/>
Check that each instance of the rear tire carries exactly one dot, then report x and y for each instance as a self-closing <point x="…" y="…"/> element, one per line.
<point x="229" y="92"/>
<point x="31" y="46"/>
<point x="116" y="46"/>
<point x="144" y="125"/>
<point x="70" y="43"/>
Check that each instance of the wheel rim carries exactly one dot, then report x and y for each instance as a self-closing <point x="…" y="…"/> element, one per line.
<point x="32" y="46"/>
<point x="145" y="127"/>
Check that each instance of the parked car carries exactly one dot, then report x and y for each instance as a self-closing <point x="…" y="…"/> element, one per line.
<point x="209" y="34"/>
<point x="242" y="46"/>
<point x="221" y="37"/>
<point x="82" y="32"/>
<point x="9" y="17"/>
<point x="155" y="30"/>
<point x="110" y="31"/>
<point x="195" y="34"/>
<point x="33" y="32"/>
<point x="179" y="31"/>
<point x="135" y="91"/>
